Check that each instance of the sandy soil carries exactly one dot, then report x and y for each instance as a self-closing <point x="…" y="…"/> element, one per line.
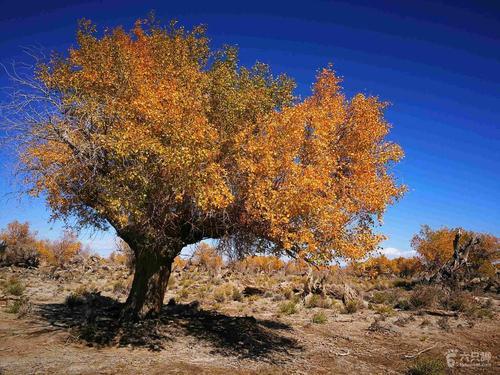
<point x="247" y="337"/>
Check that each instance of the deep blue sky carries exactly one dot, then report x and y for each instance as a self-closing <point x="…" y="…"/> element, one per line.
<point x="437" y="62"/>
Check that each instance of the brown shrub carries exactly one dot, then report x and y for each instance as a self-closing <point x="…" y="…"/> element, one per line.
<point x="460" y="301"/>
<point x="425" y="296"/>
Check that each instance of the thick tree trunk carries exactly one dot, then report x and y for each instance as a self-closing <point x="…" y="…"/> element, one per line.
<point x="152" y="272"/>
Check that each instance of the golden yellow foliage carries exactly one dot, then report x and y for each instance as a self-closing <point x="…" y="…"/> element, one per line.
<point x="147" y="133"/>
<point x="178" y="263"/>
<point x="60" y="251"/>
<point x="266" y="264"/>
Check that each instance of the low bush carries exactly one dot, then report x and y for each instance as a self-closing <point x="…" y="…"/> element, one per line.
<point x="427" y="366"/>
<point x="319" y="318"/>
<point x="219" y="295"/>
<point x="384" y="310"/>
<point x="483" y="312"/>
<point x="385" y="297"/>
<point x="236" y="294"/>
<point x="288" y="308"/>
<point x="14" y="287"/>
<point x="351" y="307"/>
<point x="315" y="300"/>
<point x="21" y="307"/>
<point x="403" y="304"/>
<point x="288" y="293"/>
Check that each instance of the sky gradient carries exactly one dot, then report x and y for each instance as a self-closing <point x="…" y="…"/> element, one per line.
<point x="437" y="62"/>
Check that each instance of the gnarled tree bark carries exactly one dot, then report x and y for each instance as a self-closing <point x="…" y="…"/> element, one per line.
<point x="152" y="268"/>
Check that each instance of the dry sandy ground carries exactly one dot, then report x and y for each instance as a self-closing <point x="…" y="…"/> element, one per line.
<point x="187" y="339"/>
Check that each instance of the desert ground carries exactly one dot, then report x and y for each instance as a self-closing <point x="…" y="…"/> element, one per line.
<point x="227" y="321"/>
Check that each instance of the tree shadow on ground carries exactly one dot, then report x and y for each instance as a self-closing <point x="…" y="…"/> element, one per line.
<point x="96" y="323"/>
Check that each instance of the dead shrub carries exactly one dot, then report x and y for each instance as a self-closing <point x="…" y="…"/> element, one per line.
<point x="460" y="301"/>
<point x="184" y="294"/>
<point x="426" y="296"/>
<point x="119" y="287"/>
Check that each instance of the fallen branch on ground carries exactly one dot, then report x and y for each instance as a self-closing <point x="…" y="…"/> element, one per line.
<point x="411" y="356"/>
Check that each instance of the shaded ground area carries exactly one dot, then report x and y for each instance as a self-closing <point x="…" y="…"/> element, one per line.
<point x="97" y="323"/>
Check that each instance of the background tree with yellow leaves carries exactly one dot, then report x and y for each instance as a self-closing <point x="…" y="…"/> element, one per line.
<point x="19" y="245"/>
<point x="435" y="247"/>
<point x="168" y="142"/>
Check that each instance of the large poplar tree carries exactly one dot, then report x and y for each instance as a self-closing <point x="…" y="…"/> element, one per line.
<point x="168" y="142"/>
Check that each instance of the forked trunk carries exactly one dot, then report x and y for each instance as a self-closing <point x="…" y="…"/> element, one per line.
<point x="148" y="287"/>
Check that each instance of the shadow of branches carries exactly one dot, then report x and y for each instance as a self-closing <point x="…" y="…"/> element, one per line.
<point x="96" y="322"/>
